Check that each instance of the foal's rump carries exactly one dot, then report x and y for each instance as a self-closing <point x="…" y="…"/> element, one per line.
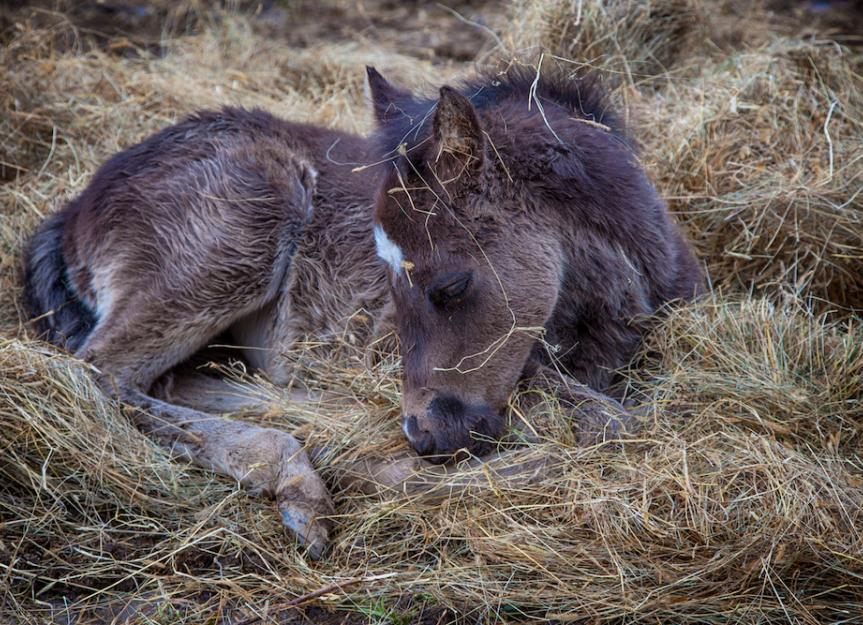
<point x="204" y="214"/>
<point x="172" y="242"/>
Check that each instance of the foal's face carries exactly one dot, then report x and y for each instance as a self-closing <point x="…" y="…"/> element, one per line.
<point x="473" y="278"/>
<point x="469" y="309"/>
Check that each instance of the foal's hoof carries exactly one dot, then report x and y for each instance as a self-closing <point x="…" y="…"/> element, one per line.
<point x="312" y="531"/>
<point x="273" y="463"/>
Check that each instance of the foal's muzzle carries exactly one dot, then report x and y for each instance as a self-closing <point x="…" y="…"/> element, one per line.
<point x="450" y="427"/>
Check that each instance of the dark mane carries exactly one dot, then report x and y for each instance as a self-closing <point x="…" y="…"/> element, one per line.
<point x="581" y="95"/>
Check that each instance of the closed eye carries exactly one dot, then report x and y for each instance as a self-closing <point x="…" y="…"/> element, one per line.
<point x="450" y="289"/>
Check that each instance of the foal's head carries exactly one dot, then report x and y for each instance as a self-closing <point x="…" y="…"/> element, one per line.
<point x="475" y="260"/>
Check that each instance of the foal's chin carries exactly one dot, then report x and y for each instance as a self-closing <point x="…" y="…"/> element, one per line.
<point x="478" y="449"/>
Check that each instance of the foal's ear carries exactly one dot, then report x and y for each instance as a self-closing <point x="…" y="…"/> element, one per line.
<point x="383" y="96"/>
<point x="457" y="130"/>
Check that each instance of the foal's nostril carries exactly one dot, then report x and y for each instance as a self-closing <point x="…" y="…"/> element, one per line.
<point x="421" y="440"/>
<point x="410" y="426"/>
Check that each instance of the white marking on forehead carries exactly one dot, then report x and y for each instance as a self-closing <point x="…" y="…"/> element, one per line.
<point x="388" y="251"/>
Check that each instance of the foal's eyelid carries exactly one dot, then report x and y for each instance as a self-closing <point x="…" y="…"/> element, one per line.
<point x="450" y="288"/>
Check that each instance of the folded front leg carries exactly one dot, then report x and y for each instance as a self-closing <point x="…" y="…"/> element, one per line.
<point x="408" y="474"/>
<point x="596" y="417"/>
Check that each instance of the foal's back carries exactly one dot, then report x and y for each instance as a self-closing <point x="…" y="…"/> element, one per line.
<point x="210" y="208"/>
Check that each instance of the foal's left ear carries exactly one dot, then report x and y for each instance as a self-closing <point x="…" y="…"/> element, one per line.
<point x="457" y="130"/>
<point x="383" y="95"/>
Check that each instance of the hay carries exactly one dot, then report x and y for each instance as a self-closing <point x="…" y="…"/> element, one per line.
<point x="638" y="39"/>
<point x="761" y="156"/>
<point x="735" y="501"/>
<point x="758" y="149"/>
<point x="741" y="501"/>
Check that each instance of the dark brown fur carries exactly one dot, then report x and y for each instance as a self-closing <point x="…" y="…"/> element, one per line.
<point x="554" y="219"/>
<point x="518" y="238"/>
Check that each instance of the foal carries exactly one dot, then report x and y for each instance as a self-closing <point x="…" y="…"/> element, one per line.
<point x="506" y="230"/>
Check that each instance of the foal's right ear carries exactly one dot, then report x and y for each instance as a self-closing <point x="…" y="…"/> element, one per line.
<point x="383" y="96"/>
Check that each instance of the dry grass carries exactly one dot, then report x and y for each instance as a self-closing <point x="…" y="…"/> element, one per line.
<point x="741" y="502"/>
<point x="640" y="39"/>
<point x="741" y="498"/>
<point x="761" y="156"/>
<point x="758" y="149"/>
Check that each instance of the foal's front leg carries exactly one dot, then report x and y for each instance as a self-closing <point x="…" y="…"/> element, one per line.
<point x="596" y="416"/>
<point x="265" y="461"/>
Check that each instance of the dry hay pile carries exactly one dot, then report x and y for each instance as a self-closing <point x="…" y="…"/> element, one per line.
<point x="761" y="155"/>
<point x="759" y="150"/>
<point x="739" y="502"/>
<point x="640" y="39"/>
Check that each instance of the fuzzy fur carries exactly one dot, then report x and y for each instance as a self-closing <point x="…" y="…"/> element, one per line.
<point x="518" y="215"/>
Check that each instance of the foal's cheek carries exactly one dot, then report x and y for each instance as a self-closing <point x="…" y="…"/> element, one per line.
<point x="532" y="305"/>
